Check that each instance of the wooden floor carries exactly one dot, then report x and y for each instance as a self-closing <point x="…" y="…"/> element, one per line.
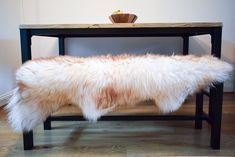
<point x="111" y="139"/>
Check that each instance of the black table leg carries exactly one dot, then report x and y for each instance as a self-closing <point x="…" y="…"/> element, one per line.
<point x="216" y="39"/>
<point x="185" y="44"/>
<point x="215" y="102"/>
<point x="25" y="41"/>
<point x="216" y="93"/>
<point x="28" y="140"/>
<point x="61" y="46"/>
<point x="199" y="111"/>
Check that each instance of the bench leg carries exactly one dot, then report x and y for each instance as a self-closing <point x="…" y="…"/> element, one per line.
<point x="28" y="140"/>
<point x="47" y="124"/>
<point x="215" y="107"/>
<point x="199" y="111"/>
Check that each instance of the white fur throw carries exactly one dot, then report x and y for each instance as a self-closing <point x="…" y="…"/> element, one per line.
<point x="99" y="84"/>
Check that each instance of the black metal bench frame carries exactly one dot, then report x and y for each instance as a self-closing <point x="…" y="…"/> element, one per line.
<point x="215" y="94"/>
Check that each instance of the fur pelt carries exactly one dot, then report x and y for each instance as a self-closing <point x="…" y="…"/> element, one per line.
<point x="99" y="84"/>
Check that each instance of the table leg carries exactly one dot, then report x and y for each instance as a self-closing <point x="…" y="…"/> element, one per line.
<point x="199" y="111"/>
<point x="216" y="93"/>
<point x="216" y="39"/>
<point x="215" y="102"/>
<point x="185" y="44"/>
<point x="25" y="41"/>
<point x="28" y="140"/>
<point x="61" y="46"/>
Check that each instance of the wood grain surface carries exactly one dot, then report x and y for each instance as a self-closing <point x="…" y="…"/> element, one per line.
<point x="121" y="25"/>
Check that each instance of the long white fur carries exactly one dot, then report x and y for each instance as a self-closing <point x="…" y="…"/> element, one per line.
<point x="46" y="84"/>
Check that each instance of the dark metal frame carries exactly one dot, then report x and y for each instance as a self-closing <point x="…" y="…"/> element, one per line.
<point x="215" y="95"/>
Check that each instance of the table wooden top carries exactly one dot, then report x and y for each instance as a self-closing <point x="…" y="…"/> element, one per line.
<point x="121" y="25"/>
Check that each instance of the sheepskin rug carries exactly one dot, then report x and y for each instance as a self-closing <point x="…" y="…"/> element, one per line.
<point x="99" y="84"/>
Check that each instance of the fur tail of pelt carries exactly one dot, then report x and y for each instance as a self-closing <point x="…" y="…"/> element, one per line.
<point x="176" y="77"/>
<point x="190" y="74"/>
<point x="30" y="106"/>
<point x="37" y="95"/>
<point x="216" y="70"/>
<point x="26" y="111"/>
<point x="22" y="115"/>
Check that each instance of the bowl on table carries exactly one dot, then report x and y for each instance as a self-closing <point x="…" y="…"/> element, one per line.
<point x="123" y="18"/>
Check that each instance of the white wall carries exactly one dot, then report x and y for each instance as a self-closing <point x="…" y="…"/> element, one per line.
<point x="9" y="43"/>
<point x="91" y="11"/>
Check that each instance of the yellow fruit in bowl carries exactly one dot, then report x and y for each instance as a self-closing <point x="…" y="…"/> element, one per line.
<point x="118" y="12"/>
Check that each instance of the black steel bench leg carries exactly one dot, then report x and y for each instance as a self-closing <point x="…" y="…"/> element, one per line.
<point x="215" y="103"/>
<point x="47" y="124"/>
<point x="28" y="140"/>
<point x="199" y="111"/>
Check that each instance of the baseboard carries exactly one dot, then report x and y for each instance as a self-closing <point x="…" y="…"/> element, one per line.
<point x="5" y="98"/>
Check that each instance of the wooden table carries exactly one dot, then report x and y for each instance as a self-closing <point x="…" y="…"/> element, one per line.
<point x="184" y="30"/>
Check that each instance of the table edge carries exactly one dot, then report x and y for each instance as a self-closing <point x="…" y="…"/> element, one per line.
<point x="122" y="25"/>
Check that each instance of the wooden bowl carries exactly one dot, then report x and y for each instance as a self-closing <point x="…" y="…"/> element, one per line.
<point x="123" y="18"/>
